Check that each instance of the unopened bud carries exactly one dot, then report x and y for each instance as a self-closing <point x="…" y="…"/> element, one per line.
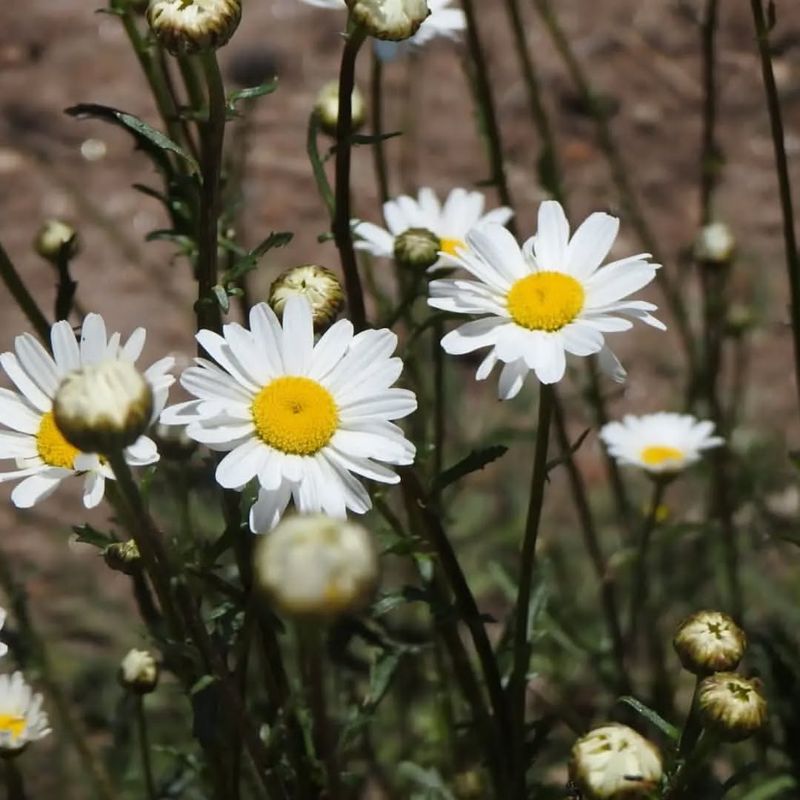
<point x="184" y="27"/>
<point x="326" y="108"/>
<point x="715" y="245"/>
<point x="54" y="239"/>
<point x="417" y="248"/>
<point x="316" y="567"/>
<point x="394" y="20"/>
<point x="731" y="706"/>
<point x="709" y="641"/>
<point x="318" y="285"/>
<point x="614" y="762"/>
<point x="103" y="408"/>
<point x="123" y="557"/>
<point x="138" y="672"/>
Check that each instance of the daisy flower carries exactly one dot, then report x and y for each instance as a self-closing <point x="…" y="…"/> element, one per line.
<point x="462" y="211"/>
<point x="543" y="300"/>
<point x="43" y="456"/>
<point x="662" y="443"/>
<point x="22" y="719"/>
<point x="3" y="645"/>
<point x="302" y="418"/>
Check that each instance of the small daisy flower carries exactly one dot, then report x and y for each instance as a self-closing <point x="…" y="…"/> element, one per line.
<point x="451" y="222"/>
<point x="302" y="418"/>
<point x="546" y="299"/>
<point x="661" y="444"/>
<point x="43" y="456"/>
<point x="22" y="719"/>
<point x="3" y="645"/>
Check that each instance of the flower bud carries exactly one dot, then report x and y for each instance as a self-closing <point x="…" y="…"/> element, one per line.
<point x="394" y="20"/>
<point x="731" y="706"/>
<point x="184" y="27"/>
<point x="138" y="672"/>
<point x="316" y="567"/>
<point x="123" y="557"/>
<point x="318" y="285"/>
<point x="417" y="248"/>
<point x="714" y="245"/>
<point x="52" y="237"/>
<point x="740" y="320"/>
<point x="102" y="408"/>
<point x="614" y="762"/>
<point x="326" y="108"/>
<point x="709" y="641"/>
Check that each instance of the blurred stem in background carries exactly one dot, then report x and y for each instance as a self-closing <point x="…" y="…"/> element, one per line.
<point x="144" y="748"/>
<point x="24" y="299"/>
<point x="15" y="785"/>
<point x="379" y="146"/>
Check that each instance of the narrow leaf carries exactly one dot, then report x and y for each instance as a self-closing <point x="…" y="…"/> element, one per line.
<point x="475" y="461"/>
<point x="268" y="87"/>
<point x="651" y="716"/>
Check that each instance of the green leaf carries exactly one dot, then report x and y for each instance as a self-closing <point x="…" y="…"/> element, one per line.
<point x="146" y="136"/>
<point x="476" y="460"/>
<point x="268" y="87"/>
<point x="369" y="138"/>
<point x="380" y="676"/>
<point x="248" y="262"/>
<point x="86" y="534"/>
<point x="222" y="297"/>
<point x="202" y="683"/>
<point x="651" y="716"/>
<point x="555" y="462"/>
<point x="771" y="788"/>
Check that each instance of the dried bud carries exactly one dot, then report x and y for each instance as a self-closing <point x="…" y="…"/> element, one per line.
<point x="709" y="641"/>
<point x="394" y="20"/>
<point x="318" y="285"/>
<point x="731" y="706"/>
<point x="184" y="27"/>
<point x="138" y="672"/>
<point x="316" y="567"/>
<point x="123" y="557"/>
<point x="614" y="762"/>
<point x="417" y="248"/>
<point x="102" y="408"/>
<point x="715" y="245"/>
<point x="326" y="108"/>
<point x="52" y="237"/>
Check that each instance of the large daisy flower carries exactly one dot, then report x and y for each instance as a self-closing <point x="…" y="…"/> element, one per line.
<point x="301" y="417"/>
<point x="451" y="222"/>
<point x="22" y="719"/>
<point x="43" y="456"/>
<point x="546" y="299"/>
<point x="662" y="443"/>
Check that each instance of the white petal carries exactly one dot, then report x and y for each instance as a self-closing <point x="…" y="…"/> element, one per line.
<point x="615" y="281"/>
<point x="591" y="244"/>
<point x="374" y="240"/>
<point x="241" y="465"/>
<point x="38" y="363"/>
<point x="330" y="349"/>
<point x="472" y="336"/>
<point x="298" y="335"/>
<point x="512" y="378"/>
<point x="93" y="339"/>
<point x="24" y="383"/>
<point x="38" y="487"/>
<point x="581" y="340"/>
<point x="16" y="414"/>
<point x="551" y="362"/>
<point x="132" y="349"/>
<point x="94" y="487"/>
<point x="266" y="512"/>
<point x="552" y="236"/>
<point x="65" y="347"/>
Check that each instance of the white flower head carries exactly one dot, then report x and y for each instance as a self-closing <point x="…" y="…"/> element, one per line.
<point x="393" y="20"/>
<point x="139" y="671"/>
<point x="22" y="719"/>
<point x="451" y="221"/>
<point x="304" y="418"/>
<point x="43" y="456"/>
<point x="546" y="299"/>
<point x="189" y="26"/>
<point x="3" y="645"/>
<point x="715" y="244"/>
<point x="662" y="443"/>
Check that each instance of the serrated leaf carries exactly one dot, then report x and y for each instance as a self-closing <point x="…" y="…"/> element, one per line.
<point x="86" y="534"/>
<point x="248" y="262"/>
<point x="476" y="460"/>
<point x="268" y="87"/>
<point x="145" y="135"/>
<point x="652" y="717"/>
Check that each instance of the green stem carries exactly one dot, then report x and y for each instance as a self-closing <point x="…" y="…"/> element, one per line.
<point x="439" y="401"/>
<point x="681" y="788"/>
<point x="341" y="221"/>
<point x="24" y="299"/>
<point x="318" y="166"/>
<point x="784" y="182"/>
<point x="379" y="148"/>
<point x="692" y="727"/>
<point x="15" y="785"/>
<point x="144" y="746"/>
<point x="522" y="647"/>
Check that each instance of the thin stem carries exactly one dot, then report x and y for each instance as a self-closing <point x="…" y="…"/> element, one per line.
<point x="212" y="136"/>
<point x="710" y="157"/>
<point x="681" y="788"/>
<point x="784" y="183"/>
<point x="522" y="647"/>
<point x="144" y="747"/>
<point x="317" y="164"/>
<point x="15" y="785"/>
<point x="379" y="147"/>
<point x="341" y="220"/>
<point x="439" y="399"/>
<point x="24" y="298"/>
<point x="692" y="728"/>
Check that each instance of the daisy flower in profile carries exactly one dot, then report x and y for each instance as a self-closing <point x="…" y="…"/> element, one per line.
<point x="43" y="456"/>
<point x="660" y="444"/>
<point x="304" y="418"/>
<point x="22" y="719"/>
<point x="546" y="299"/>
<point x="3" y="645"/>
<point x="451" y="222"/>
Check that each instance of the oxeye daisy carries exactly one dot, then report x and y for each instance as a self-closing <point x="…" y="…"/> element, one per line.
<point x="43" y="456"/>
<point x="301" y="417"/>
<point x="451" y="222"/>
<point x="660" y="444"/>
<point x="22" y="719"/>
<point x="543" y="300"/>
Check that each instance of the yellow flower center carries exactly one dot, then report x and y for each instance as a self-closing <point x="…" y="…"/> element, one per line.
<point x="11" y="723"/>
<point x="450" y="246"/>
<point x="545" y="301"/>
<point x="51" y="445"/>
<point x="295" y="415"/>
<point x="658" y="454"/>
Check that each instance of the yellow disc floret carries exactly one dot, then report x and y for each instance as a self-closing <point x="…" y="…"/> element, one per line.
<point x="545" y="301"/>
<point x="657" y="454"/>
<point x="295" y="415"/>
<point x="11" y="723"/>
<point x="52" y="447"/>
<point x="451" y="246"/>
